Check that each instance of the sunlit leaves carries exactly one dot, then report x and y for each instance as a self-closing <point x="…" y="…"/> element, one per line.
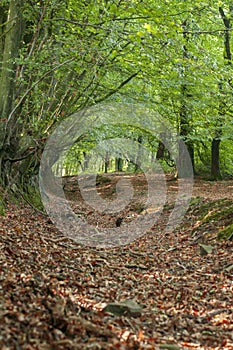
<point x="170" y="44"/>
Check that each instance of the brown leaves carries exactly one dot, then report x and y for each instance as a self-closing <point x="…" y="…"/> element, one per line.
<point x="54" y="293"/>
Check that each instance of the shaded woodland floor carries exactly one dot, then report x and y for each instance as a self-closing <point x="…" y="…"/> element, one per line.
<point x="53" y="292"/>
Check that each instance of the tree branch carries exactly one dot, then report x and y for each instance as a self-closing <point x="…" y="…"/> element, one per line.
<point x="112" y="92"/>
<point x="226" y="21"/>
<point x="32" y="86"/>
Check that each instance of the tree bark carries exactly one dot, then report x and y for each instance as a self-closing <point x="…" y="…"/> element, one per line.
<point x="215" y="159"/>
<point x="216" y="141"/>
<point x="3" y="18"/>
<point x="10" y="46"/>
<point x="106" y="162"/>
<point x="138" y="162"/>
<point x="185" y="122"/>
<point x="118" y="164"/>
<point x="160" y="154"/>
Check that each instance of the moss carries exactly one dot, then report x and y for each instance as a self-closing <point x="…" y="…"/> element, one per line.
<point x="217" y="215"/>
<point x="208" y="217"/>
<point x="226" y="233"/>
<point x="195" y="200"/>
<point x="33" y="197"/>
<point x="208" y="211"/>
<point x="201" y="208"/>
<point x="2" y="207"/>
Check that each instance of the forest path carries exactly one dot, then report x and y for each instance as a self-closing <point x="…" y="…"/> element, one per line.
<point x="167" y="191"/>
<point x="213" y="189"/>
<point x="53" y="290"/>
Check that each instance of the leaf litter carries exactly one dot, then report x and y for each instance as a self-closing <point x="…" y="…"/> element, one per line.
<point x="159" y="292"/>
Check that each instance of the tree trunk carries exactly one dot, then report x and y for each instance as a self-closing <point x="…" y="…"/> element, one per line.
<point x="119" y="164"/>
<point x="10" y="45"/>
<point x="3" y="18"/>
<point x="106" y="162"/>
<point x="185" y="128"/>
<point x="215" y="145"/>
<point x="185" y="122"/>
<point x="215" y="159"/>
<point x="138" y="162"/>
<point x="160" y="151"/>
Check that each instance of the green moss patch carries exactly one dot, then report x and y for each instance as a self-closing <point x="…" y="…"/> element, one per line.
<point x="210" y="219"/>
<point x="226" y="233"/>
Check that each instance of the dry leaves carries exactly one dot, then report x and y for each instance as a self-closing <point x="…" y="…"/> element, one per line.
<point x="53" y="291"/>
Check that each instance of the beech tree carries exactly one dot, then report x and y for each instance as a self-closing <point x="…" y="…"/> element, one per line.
<point x="223" y="104"/>
<point x="11" y="39"/>
<point x="56" y="58"/>
<point x="59" y="57"/>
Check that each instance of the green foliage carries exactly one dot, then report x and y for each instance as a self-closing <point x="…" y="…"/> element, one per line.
<point x="168" y="55"/>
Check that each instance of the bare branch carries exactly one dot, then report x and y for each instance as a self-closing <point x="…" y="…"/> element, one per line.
<point x="112" y="92"/>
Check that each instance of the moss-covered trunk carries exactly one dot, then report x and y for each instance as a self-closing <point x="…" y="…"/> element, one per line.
<point x="9" y="50"/>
